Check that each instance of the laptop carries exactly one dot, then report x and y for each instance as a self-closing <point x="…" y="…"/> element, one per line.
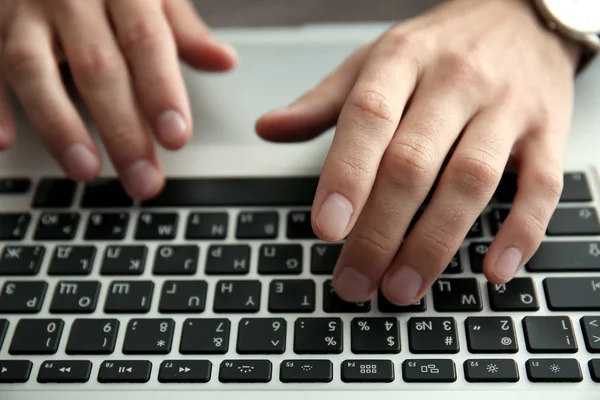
<point x="218" y="289"/>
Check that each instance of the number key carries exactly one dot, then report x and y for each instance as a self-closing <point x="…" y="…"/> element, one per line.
<point x="93" y="336"/>
<point x="261" y="336"/>
<point x="432" y="335"/>
<point x="491" y="335"/>
<point x="318" y="336"/>
<point x="205" y="336"/>
<point x="549" y="334"/>
<point x="13" y="226"/>
<point x="149" y="336"/>
<point x="36" y="336"/>
<point x="375" y="335"/>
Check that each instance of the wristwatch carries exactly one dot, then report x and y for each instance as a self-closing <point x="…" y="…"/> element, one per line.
<point x="577" y="20"/>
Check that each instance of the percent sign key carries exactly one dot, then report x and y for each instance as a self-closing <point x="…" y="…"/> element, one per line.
<point x="318" y="336"/>
<point x="375" y="336"/>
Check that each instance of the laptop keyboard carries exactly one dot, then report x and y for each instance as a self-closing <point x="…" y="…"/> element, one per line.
<point x="219" y="282"/>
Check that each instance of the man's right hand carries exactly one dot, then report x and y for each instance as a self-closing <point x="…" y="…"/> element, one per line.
<point x="124" y="59"/>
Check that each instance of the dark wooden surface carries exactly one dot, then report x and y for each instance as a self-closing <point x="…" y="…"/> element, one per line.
<point x="243" y="13"/>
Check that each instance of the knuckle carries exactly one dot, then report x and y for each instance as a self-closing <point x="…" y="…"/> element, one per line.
<point x="474" y="175"/>
<point x="407" y="164"/>
<point x="550" y="184"/>
<point x="20" y="60"/>
<point x="94" y="64"/>
<point x="374" y="241"/>
<point x="466" y="71"/>
<point x="372" y="106"/>
<point x="141" y="33"/>
<point x="435" y="242"/>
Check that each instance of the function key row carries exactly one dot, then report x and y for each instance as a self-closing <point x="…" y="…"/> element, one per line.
<point x="373" y="335"/>
<point x="207" y="192"/>
<point x="301" y="371"/>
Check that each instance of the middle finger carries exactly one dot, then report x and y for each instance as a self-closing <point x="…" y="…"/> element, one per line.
<point x="101" y="76"/>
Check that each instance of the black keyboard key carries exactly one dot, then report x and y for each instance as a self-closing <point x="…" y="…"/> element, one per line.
<point x="105" y="193"/>
<point x="594" y="366"/>
<point x="306" y="371"/>
<point x="375" y="336"/>
<point x="457" y="295"/>
<point x="22" y="297"/>
<point x="129" y="297"/>
<point x="476" y="230"/>
<point x="257" y="225"/>
<point x="14" y="186"/>
<point x="385" y="306"/>
<point x="367" y="371"/>
<point x="455" y="266"/>
<point x="573" y="294"/>
<point x="231" y="259"/>
<point x="591" y="333"/>
<point x="149" y="336"/>
<point x="157" y="226"/>
<point x="429" y="371"/>
<point x="261" y="336"/>
<point x="323" y="258"/>
<point x="575" y="188"/>
<point x="183" y="297"/>
<point x="432" y="335"/>
<point x="176" y="260"/>
<point x="93" y="336"/>
<point x="15" y="371"/>
<point x="280" y="259"/>
<point x="107" y="226"/>
<point x="477" y="252"/>
<point x="553" y="370"/>
<point x="54" y="193"/>
<point x="130" y="371"/>
<point x="3" y="329"/>
<point x="565" y="257"/>
<point x="237" y="297"/>
<point x="124" y="260"/>
<point x="245" y="371"/>
<point x="574" y="221"/>
<point x="497" y="217"/>
<point x="491" y="370"/>
<point x="207" y="226"/>
<point x="299" y="225"/>
<point x="292" y="296"/>
<point x="185" y="371"/>
<point x="491" y="335"/>
<point x="75" y="297"/>
<point x="57" y="226"/>
<point x="21" y="260"/>
<point x="205" y="336"/>
<point x="61" y="371"/>
<point x="36" y="336"/>
<point x="318" y="336"/>
<point x="517" y="295"/>
<point x="231" y="192"/>
<point x="13" y="226"/>
<point x="72" y="260"/>
<point x="332" y="303"/>
<point x="549" y="334"/>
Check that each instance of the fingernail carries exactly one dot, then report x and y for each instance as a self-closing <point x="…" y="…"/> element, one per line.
<point x="142" y="179"/>
<point x="334" y="216"/>
<point x="508" y="263"/>
<point x="353" y="285"/>
<point x="404" y="286"/>
<point x="171" y="126"/>
<point x="79" y="161"/>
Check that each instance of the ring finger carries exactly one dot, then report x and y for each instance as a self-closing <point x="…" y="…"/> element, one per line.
<point x="102" y="78"/>
<point x="32" y="72"/>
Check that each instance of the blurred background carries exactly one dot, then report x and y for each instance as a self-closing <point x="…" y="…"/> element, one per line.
<point x="245" y="13"/>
